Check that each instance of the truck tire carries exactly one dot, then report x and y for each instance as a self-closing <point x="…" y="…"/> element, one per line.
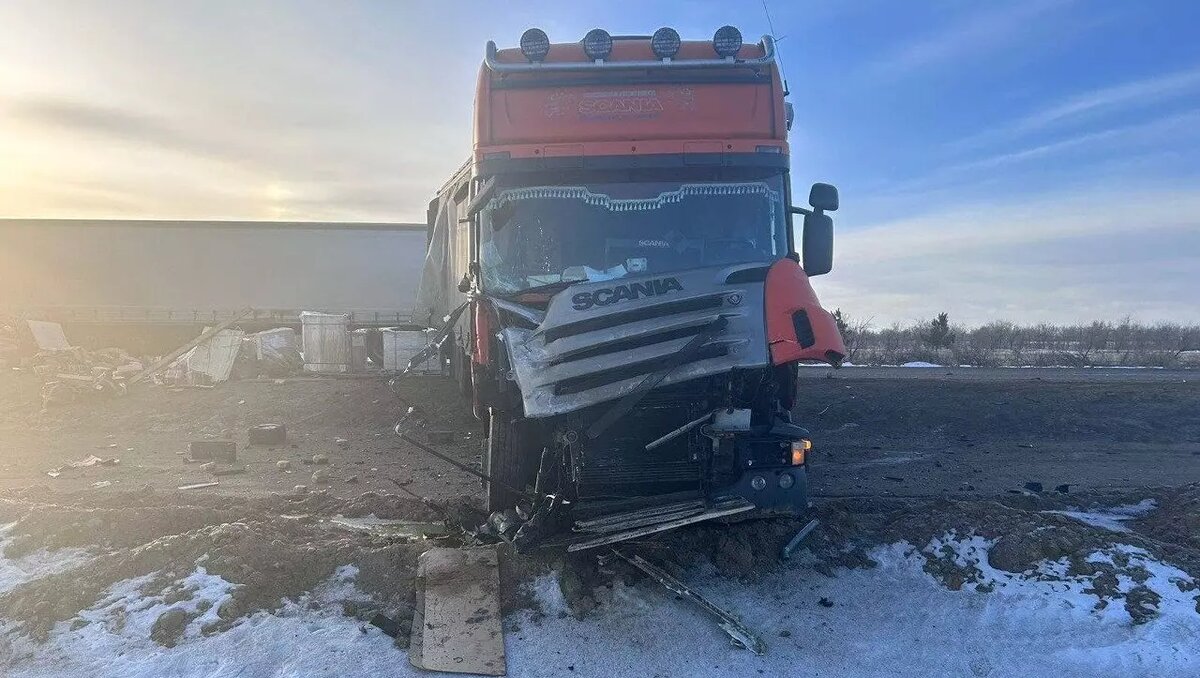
<point x="505" y="460"/>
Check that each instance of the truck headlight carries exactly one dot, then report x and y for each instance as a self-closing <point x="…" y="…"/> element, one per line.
<point x="758" y="482"/>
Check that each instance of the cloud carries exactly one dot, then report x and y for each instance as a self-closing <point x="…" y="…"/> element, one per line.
<point x="1107" y="99"/>
<point x="976" y="33"/>
<point x="1057" y="258"/>
<point x="1163" y="132"/>
<point x="67" y="115"/>
<point x="182" y="165"/>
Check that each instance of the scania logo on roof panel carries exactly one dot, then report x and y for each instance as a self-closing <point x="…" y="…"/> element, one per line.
<point x="611" y="295"/>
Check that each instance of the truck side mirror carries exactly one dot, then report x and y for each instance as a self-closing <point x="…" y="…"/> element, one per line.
<point x="823" y="197"/>
<point x="817" y="247"/>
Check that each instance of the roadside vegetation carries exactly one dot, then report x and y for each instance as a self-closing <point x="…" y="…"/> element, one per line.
<point x="1005" y="344"/>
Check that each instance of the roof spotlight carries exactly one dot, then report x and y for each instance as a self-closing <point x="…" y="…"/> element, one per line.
<point x="665" y="43"/>
<point x="597" y="44"/>
<point x="727" y="41"/>
<point x="535" y="45"/>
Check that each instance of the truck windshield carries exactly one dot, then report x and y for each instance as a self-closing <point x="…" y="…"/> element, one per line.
<point x="533" y="236"/>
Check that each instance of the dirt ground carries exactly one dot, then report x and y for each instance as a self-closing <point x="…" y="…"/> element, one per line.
<point x="901" y="455"/>
<point x="970" y="432"/>
<point x="347" y="420"/>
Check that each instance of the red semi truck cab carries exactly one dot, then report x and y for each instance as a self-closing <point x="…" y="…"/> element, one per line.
<point x="622" y="243"/>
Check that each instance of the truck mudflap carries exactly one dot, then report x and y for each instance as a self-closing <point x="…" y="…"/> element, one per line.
<point x="797" y="327"/>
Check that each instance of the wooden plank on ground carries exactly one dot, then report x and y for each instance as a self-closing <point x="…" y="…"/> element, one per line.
<point x="456" y="627"/>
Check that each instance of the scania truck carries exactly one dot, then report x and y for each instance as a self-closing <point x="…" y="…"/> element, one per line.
<point x="625" y="297"/>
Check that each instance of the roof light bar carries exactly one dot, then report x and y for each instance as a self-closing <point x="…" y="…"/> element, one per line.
<point x="727" y="42"/>
<point x="597" y="44"/>
<point x="665" y="43"/>
<point x="535" y="45"/>
<point x="494" y="64"/>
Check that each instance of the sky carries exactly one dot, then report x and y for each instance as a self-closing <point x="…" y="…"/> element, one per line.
<point x="1030" y="160"/>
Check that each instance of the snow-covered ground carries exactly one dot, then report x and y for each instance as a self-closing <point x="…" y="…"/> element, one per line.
<point x="893" y="620"/>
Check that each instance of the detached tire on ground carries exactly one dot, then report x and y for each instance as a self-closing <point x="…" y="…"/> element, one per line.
<point x="507" y="459"/>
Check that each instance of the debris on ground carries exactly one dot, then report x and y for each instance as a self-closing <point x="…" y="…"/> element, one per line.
<point x="738" y="633"/>
<point x="795" y="541"/>
<point x="198" y="486"/>
<point x="276" y="352"/>
<point x="456" y="623"/>
<point x="88" y="461"/>
<point x="48" y="336"/>
<point x="212" y="450"/>
<point x="173" y="358"/>
<point x="389" y="626"/>
<point x="267" y="434"/>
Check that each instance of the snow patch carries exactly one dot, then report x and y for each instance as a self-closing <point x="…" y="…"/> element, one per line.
<point x="35" y="565"/>
<point x="892" y="620"/>
<point x="307" y="637"/>
<point x="1112" y="519"/>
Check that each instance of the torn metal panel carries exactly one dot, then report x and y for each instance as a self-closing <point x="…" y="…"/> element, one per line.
<point x="600" y="339"/>
<point x="456" y="626"/>
<point x="214" y="357"/>
<point x="532" y="315"/>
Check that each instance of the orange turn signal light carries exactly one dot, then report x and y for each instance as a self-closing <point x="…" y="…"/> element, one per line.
<point x="799" y="449"/>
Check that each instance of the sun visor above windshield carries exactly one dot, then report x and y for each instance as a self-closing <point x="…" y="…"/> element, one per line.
<point x="660" y="118"/>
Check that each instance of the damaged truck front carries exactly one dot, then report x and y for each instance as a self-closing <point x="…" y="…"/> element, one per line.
<point x="631" y="303"/>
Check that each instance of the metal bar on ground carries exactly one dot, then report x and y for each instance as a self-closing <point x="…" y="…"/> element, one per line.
<point x="804" y="532"/>
<point x="737" y="632"/>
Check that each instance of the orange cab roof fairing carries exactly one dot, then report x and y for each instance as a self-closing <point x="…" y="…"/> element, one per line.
<point x="615" y="111"/>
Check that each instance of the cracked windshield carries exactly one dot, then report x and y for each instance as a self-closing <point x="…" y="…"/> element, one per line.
<point x="543" y="235"/>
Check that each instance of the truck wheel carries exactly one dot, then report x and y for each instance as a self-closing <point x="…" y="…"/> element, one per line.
<point x="505" y="460"/>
